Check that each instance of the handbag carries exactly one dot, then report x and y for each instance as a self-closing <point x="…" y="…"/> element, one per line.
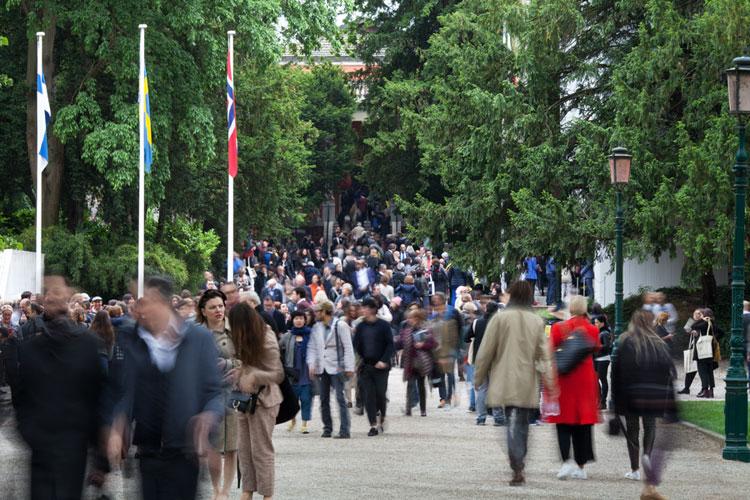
<point x="574" y="349"/>
<point x="289" y="405"/>
<point x="689" y="364"/>
<point x="704" y="346"/>
<point x="241" y="402"/>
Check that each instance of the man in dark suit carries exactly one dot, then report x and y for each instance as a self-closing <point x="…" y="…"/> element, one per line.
<point x="171" y="388"/>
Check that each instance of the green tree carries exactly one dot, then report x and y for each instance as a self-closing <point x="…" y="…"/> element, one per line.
<point x="328" y="105"/>
<point x="672" y="112"/>
<point x="515" y="126"/>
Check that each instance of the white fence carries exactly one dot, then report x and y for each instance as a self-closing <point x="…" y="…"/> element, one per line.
<point x="17" y="273"/>
<point x="639" y="275"/>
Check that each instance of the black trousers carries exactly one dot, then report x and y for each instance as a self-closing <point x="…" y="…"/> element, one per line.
<point x="417" y="380"/>
<point x="374" y="384"/>
<point x="649" y="435"/>
<point x="689" y="377"/>
<point x="169" y="477"/>
<point x="57" y="470"/>
<point x="602" y="367"/>
<point x="706" y="373"/>
<point x="582" y="439"/>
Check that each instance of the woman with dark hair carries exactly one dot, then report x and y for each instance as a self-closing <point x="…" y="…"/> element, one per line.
<point x="643" y="391"/>
<point x="603" y="358"/>
<point x="102" y="329"/>
<point x="417" y="343"/>
<point x="260" y="375"/>
<point x="222" y="458"/>
<point x="706" y="366"/>
<point x="294" y="353"/>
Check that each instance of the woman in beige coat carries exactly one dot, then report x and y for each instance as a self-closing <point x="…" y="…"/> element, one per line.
<point x="222" y="456"/>
<point x="261" y="373"/>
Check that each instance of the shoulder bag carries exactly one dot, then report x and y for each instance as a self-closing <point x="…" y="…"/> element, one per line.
<point x="704" y="344"/>
<point x="689" y="364"/>
<point x="574" y="349"/>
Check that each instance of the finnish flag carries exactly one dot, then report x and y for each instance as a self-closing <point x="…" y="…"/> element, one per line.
<point x="43" y="117"/>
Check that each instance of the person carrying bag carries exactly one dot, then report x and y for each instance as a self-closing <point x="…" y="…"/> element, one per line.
<point x="706" y="333"/>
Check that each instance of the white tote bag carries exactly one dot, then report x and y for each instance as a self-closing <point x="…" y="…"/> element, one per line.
<point x="704" y="346"/>
<point x="689" y="364"/>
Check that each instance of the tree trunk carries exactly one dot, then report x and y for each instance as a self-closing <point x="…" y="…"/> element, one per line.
<point x="708" y="288"/>
<point x="53" y="173"/>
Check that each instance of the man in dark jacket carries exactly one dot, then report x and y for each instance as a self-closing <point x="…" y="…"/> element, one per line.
<point x="171" y="388"/>
<point x="476" y="333"/>
<point x="58" y="396"/>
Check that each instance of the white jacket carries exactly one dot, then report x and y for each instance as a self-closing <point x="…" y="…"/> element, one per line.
<point x="321" y="349"/>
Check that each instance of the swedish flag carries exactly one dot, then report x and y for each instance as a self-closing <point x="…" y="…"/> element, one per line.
<point x="146" y="110"/>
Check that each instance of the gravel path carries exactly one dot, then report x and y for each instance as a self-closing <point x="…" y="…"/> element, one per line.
<point x="443" y="456"/>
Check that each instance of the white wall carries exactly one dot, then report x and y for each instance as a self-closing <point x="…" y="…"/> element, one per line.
<point x="17" y="273"/>
<point x="637" y="275"/>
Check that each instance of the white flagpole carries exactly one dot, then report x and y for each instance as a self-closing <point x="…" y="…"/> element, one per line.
<point x="38" y="276"/>
<point x="230" y="181"/>
<point x="141" y="168"/>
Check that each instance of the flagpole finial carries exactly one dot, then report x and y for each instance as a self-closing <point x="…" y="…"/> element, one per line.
<point x="39" y="33"/>
<point x="142" y="26"/>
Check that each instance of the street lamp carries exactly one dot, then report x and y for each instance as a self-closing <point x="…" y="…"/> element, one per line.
<point x="619" y="173"/>
<point x="735" y="410"/>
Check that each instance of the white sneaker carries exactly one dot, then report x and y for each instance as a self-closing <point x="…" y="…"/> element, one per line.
<point x="634" y="475"/>
<point x="566" y="470"/>
<point x="579" y="473"/>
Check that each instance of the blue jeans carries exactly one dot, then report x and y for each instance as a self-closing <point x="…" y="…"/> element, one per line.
<point x="497" y="413"/>
<point x="552" y="289"/>
<point x="304" y="394"/>
<point x="328" y="381"/>
<point x="447" y="384"/>
<point x="469" y="372"/>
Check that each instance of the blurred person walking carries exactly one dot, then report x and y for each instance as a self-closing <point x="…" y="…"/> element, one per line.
<point x="474" y="336"/>
<point x="603" y="358"/>
<point x="579" y="393"/>
<point x="642" y="388"/>
<point x="60" y="384"/>
<point x="513" y="354"/>
<point x="260" y="376"/>
<point x="170" y="387"/>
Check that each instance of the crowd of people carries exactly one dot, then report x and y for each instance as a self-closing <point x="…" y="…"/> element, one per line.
<point x="180" y="376"/>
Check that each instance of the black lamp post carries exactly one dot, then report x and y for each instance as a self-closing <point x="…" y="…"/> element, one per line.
<point x="735" y="410"/>
<point x="619" y="171"/>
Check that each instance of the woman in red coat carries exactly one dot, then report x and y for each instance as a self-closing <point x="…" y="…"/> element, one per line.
<point x="579" y="395"/>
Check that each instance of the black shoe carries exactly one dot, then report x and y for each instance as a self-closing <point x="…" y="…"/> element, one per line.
<point x="684" y="391"/>
<point x="499" y="423"/>
<point x="423" y="414"/>
<point x="326" y="434"/>
<point x="349" y="404"/>
<point x="373" y="432"/>
<point x="481" y="422"/>
<point x="342" y="436"/>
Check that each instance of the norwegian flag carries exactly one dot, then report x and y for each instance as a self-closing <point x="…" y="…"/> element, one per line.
<point x="232" y="124"/>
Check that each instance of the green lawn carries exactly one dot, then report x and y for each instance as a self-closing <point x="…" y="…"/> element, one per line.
<point x="706" y="414"/>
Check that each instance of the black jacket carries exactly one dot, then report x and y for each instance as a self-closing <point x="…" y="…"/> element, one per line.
<point x="643" y="387"/>
<point x="162" y="404"/>
<point x="60" y="385"/>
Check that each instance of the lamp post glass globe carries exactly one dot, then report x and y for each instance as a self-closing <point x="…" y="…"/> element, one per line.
<point x="619" y="165"/>
<point x="738" y="86"/>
